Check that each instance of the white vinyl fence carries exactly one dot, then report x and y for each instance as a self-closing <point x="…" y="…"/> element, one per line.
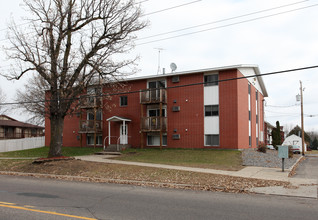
<point x="21" y="144"/>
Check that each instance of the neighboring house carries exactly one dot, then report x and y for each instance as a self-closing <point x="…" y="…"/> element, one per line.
<point x="268" y="133"/>
<point x="13" y="129"/>
<point x="207" y="108"/>
<point x="294" y="140"/>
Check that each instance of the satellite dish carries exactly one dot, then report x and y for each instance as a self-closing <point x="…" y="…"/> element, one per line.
<point x="173" y="67"/>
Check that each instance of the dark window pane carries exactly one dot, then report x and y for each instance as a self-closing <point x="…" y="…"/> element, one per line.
<point x="211" y="110"/>
<point x="152" y="85"/>
<point x="161" y="84"/>
<point x="123" y="101"/>
<point x="212" y="140"/>
<point x="215" y="110"/>
<point x="90" y="116"/>
<point x="208" y="110"/>
<point x="211" y="80"/>
<point x="152" y="113"/>
<point x="99" y="115"/>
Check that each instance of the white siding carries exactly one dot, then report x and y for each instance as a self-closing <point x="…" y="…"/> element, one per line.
<point x="252" y="80"/>
<point x="21" y="144"/>
<point x="211" y="95"/>
<point x="211" y="125"/>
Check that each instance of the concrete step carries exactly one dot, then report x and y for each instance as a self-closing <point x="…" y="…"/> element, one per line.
<point x="113" y="147"/>
<point x="107" y="153"/>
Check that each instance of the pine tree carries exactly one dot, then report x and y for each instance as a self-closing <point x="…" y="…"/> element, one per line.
<point x="276" y="135"/>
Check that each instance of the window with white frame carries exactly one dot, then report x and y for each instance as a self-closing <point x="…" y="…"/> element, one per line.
<point x="212" y="140"/>
<point x="157" y="84"/>
<point x="154" y="139"/>
<point x="211" y="110"/>
<point x="156" y="112"/>
<point x="99" y="115"/>
<point x="90" y="139"/>
<point x="211" y="80"/>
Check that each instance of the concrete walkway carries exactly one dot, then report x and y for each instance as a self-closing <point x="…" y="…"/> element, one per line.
<point x="300" y="187"/>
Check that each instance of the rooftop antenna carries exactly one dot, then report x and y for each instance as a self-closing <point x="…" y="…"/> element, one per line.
<point x="159" y="51"/>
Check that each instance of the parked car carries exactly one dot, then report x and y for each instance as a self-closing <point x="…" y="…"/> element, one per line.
<point x="296" y="149"/>
<point x="270" y="147"/>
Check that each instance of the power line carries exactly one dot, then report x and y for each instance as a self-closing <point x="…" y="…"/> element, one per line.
<point x="227" y="25"/>
<point x="275" y="116"/>
<point x="29" y="22"/>
<point x="155" y="12"/>
<point x="219" y="21"/>
<point x="173" y="87"/>
<point x="282" y="106"/>
<point x="166" y="9"/>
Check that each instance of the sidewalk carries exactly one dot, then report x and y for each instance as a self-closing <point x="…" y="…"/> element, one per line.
<point x="301" y="187"/>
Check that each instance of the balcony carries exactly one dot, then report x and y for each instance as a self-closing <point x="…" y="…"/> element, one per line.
<point x="149" y="124"/>
<point x="152" y="96"/>
<point x="91" y="126"/>
<point x="90" y="102"/>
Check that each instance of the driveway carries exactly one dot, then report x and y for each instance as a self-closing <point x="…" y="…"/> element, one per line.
<point x="308" y="168"/>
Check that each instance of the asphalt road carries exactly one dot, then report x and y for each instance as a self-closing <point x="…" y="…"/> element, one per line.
<point x="30" y="198"/>
<point x="308" y="168"/>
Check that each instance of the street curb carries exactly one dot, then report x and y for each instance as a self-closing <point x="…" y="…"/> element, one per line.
<point x="294" y="167"/>
<point x="126" y="182"/>
<point x="273" y="194"/>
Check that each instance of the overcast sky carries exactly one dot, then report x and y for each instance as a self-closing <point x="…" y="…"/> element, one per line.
<point x="274" y="34"/>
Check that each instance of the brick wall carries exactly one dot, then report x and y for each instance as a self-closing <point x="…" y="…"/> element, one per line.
<point x="189" y="121"/>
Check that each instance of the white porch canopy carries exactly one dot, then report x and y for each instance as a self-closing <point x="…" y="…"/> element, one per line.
<point x="116" y="118"/>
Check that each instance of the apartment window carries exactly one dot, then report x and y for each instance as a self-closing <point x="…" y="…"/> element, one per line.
<point x="93" y="93"/>
<point x="212" y="140"/>
<point x="33" y="131"/>
<point x="157" y="84"/>
<point x="90" y="115"/>
<point x="156" y="112"/>
<point x="211" y="110"/>
<point x="249" y="140"/>
<point x="211" y="80"/>
<point x="123" y="100"/>
<point x="154" y="140"/>
<point x="249" y="89"/>
<point x="256" y="94"/>
<point x="90" y="139"/>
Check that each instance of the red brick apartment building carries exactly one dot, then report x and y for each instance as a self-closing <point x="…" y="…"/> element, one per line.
<point x="193" y="109"/>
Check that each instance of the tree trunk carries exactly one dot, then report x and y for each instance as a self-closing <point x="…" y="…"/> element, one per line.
<point x="57" y="125"/>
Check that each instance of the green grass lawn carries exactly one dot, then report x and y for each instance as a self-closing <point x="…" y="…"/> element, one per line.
<point x="204" y="158"/>
<point x="43" y="152"/>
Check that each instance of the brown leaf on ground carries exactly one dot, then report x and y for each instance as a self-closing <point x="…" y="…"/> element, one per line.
<point x="77" y="170"/>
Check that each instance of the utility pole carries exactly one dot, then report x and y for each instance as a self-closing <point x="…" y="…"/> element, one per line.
<point x="302" y="119"/>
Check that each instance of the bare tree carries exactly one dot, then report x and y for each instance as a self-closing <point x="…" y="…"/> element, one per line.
<point x="31" y="99"/>
<point x="69" y="43"/>
<point x="2" y="100"/>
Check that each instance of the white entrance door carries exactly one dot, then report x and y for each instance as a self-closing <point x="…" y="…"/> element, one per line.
<point x="123" y="134"/>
